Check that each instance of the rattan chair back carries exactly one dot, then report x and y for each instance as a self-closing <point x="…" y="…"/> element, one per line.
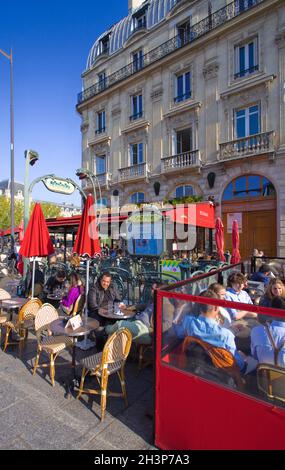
<point x="29" y="310"/>
<point x="117" y="347"/>
<point x="4" y="295"/>
<point x="45" y="315"/>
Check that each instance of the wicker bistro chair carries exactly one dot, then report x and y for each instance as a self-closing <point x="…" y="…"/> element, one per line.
<point x="51" y="345"/>
<point x="112" y="359"/>
<point x="4" y="295"/>
<point x="23" y="324"/>
<point x="271" y="381"/>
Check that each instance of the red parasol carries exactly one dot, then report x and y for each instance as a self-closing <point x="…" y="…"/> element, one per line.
<point x="219" y="237"/>
<point x="235" y="258"/>
<point x="87" y="244"/>
<point x="36" y="240"/>
<point x="21" y="231"/>
<point x="87" y="240"/>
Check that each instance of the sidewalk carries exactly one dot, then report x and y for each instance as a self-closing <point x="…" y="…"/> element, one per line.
<point x="34" y="415"/>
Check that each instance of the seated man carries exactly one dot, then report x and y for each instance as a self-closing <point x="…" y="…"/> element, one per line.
<point x="207" y="328"/>
<point x="100" y="295"/>
<point x="235" y="293"/>
<point x="140" y="325"/>
<point x="55" y="282"/>
<point x="268" y="342"/>
<point x="262" y="275"/>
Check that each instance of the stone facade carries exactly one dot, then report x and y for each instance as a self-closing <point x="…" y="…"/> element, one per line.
<point x="216" y="92"/>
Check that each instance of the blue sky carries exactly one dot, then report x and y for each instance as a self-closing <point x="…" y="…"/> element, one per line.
<point x="51" y="40"/>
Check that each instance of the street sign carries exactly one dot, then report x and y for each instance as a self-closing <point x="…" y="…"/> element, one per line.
<point x="59" y="185"/>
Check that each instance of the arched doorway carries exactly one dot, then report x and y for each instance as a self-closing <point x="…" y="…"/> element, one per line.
<point x="251" y="199"/>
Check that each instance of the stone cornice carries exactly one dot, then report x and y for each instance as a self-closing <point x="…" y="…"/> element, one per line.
<point x="181" y="109"/>
<point x="134" y="127"/>
<point x="252" y="82"/>
<point x="99" y="140"/>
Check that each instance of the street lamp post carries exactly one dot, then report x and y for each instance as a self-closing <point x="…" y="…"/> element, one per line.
<point x="31" y="158"/>
<point x="12" y="190"/>
<point x="84" y="173"/>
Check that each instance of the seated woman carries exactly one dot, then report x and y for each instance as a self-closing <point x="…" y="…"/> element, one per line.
<point x="223" y="317"/>
<point x="275" y="289"/>
<point x="75" y="290"/>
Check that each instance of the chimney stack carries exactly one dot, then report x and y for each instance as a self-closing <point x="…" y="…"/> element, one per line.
<point x="133" y="4"/>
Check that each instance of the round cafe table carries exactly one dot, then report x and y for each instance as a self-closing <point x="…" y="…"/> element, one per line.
<point x="127" y="313"/>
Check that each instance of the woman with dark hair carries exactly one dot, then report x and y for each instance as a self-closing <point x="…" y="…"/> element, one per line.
<point x="75" y="290"/>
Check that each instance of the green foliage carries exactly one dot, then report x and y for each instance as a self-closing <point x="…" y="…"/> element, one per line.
<point x="5" y="212"/>
<point x="50" y="210"/>
<point x="185" y="200"/>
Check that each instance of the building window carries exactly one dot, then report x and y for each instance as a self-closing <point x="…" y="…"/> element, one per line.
<point x="183" y="141"/>
<point x="183" y="87"/>
<point x="183" y="191"/>
<point x="101" y="122"/>
<point x="136" y="154"/>
<point x="100" y="164"/>
<point x="102" y="202"/>
<point x="183" y="33"/>
<point x="137" y="198"/>
<point x="249" y="186"/>
<point x="102" y="80"/>
<point x="246" y="58"/>
<point x="247" y="121"/>
<point x="136" y="107"/>
<point x="104" y="45"/>
<point x="138" y="60"/>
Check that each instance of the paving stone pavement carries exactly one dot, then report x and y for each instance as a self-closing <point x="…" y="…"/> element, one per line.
<point x="35" y="415"/>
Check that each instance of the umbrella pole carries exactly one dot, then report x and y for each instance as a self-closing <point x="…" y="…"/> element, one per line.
<point x="87" y="287"/>
<point x="86" y="343"/>
<point x="33" y="277"/>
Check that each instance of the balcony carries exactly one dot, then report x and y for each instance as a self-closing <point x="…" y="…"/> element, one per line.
<point x="208" y="24"/>
<point x="134" y="172"/>
<point x="182" y="160"/>
<point x="104" y="179"/>
<point x="257" y="144"/>
<point x="101" y="130"/>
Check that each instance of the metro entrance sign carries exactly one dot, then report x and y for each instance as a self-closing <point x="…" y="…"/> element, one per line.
<point x="59" y="185"/>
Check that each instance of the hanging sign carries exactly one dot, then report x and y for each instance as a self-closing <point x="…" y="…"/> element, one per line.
<point x="59" y="185"/>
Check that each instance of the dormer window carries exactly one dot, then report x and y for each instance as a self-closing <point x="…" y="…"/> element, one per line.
<point x="104" y="44"/>
<point x="139" y="19"/>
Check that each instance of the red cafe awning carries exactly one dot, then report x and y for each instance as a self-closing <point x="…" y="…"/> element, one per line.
<point x="200" y="214"/>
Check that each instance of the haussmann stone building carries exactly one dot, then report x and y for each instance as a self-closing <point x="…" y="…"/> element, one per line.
<point x="187" y="97"/>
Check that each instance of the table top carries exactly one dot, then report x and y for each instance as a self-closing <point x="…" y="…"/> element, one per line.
<point x="54" y="297"/>
<point x="58" y="327"/>
<point x="127" y="313"/>
<point x="14" y="302"/>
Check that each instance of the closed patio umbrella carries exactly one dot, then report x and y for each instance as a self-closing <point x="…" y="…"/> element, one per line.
<point x="87" y="241"/>
<point x="36" y="240"/>
<point x="219" y="237"/>
<point x="235" y="258"/>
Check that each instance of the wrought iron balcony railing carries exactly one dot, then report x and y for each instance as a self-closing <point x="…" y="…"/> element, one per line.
<point x="248" y="71"/>
<point x="213" y="21"/>
<point x="182" y="160"/>
<point x="101" y="130"/>
<point x="136" y="116"/>
<point x="134" y="172"/>
<point x="252" y="145"/>
<point x="104" y="178"/>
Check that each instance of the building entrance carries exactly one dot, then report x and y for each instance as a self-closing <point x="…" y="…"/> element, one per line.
<point x="251" y="200"/>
